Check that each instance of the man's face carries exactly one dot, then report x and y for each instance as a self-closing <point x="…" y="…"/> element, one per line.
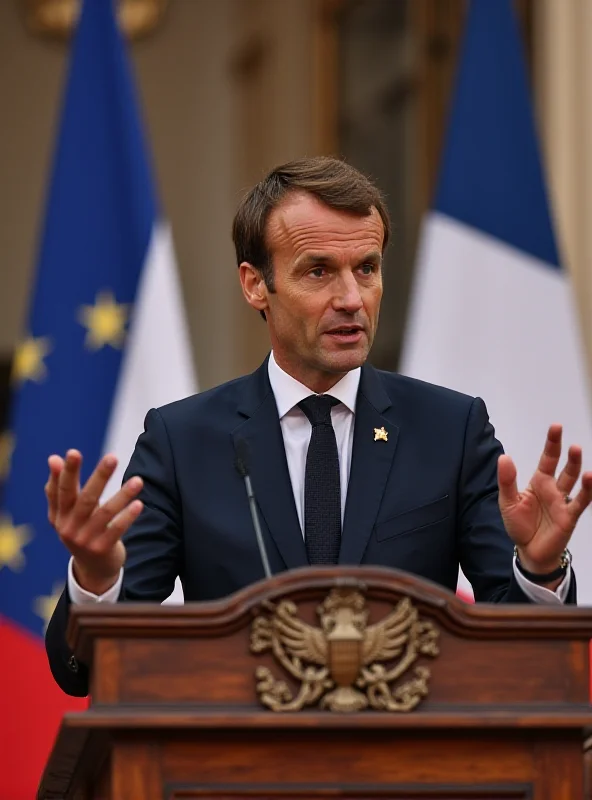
<point x="323" y="313"/>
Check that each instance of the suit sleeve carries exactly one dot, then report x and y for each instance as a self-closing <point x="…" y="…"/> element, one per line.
<point x="153" y="544"/>
<point x="485" y="549"/>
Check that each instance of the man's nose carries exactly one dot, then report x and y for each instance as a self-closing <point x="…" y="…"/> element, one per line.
<point x="348" y="297"/>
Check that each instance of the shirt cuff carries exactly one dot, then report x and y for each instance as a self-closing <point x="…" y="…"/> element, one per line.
<point x="79" y="596"/>
<point x="538" y="594"/>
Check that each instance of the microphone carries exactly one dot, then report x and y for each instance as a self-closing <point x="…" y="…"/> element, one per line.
<point x="242" y="458"/>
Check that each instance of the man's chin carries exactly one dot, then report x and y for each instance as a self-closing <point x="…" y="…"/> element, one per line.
<point x="346" y="360"/>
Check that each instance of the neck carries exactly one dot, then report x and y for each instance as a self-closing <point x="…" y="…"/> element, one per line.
<point x="315" y="380"/>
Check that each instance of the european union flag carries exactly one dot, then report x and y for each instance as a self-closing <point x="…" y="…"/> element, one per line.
<point x="101" y="212"/>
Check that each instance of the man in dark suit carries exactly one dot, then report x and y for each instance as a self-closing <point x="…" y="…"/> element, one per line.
<point x="349" y="465"/>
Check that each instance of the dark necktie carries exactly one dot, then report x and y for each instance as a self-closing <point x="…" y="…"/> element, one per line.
<point x="322" y="494"/>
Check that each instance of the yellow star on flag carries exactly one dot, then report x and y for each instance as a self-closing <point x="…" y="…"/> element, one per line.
<point x="13" y="539"/>
<point x="45" y="604"/>
<point x="105" y="322"/>
<point x="28" y="360"/>
<point x="7" y="441"/>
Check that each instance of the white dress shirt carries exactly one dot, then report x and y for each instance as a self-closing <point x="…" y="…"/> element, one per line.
<point x="296" y="428"/>
<point x="296" y="432"/>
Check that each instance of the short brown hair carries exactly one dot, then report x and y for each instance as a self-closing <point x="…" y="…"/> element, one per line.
<point x="331" y="180"/>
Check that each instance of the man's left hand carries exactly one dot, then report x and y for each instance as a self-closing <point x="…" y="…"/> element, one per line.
<point x="541" y="519"/>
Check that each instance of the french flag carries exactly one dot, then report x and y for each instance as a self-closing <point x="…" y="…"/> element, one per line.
<point x="105" y="340"/>
<point x="492" y="312"/>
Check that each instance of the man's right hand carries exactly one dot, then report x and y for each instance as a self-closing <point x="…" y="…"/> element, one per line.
<point x="91" y="532"/>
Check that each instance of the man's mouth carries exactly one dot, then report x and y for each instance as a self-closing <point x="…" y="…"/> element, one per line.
<point x="346" y="332"/>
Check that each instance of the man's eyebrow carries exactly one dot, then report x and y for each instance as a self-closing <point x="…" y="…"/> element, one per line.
<point x="308" y="259"/>
<point x="373" y="255"/>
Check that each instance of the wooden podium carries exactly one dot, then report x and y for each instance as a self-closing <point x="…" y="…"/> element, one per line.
<point x="355" y="683"/>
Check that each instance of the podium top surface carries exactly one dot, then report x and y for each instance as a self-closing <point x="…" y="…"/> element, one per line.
<point x="379" y="585"/>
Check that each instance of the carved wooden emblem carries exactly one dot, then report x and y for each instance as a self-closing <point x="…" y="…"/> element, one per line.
<point x="339" y="664"/>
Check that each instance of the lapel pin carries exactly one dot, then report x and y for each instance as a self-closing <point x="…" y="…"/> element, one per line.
<point x="380" y="435"/>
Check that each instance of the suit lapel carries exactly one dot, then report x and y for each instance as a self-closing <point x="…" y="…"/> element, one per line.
<point x="370" y="465"/>
<point x="268" y="467"/>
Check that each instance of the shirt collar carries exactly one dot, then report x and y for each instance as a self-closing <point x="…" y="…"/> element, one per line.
<point x="289" y="392"/>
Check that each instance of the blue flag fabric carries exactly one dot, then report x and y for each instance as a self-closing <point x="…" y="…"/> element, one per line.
<point x="481" y="183"/>
<point x="100" y="214"/>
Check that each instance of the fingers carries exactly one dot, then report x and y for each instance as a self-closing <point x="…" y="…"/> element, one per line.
<point x="90" y="494"/>
<point x="571" y="472"/>
<point x="121" y="522"/>
<point x="506" y="479"/>
<point x="93" y="543"/>
<point x="56" y="464"/>
<point x="582" y="500"/>
<point x="68" y="482"/>
<point x="96" y="546"/>
<point x="90" y="532"/>
<point x="552" y="452"/>
<point x="104" y="516"/>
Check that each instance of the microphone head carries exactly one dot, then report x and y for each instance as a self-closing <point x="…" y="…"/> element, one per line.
<point x="242" y="457"/>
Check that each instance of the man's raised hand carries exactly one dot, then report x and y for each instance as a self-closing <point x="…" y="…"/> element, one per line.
<point x="89" y="531"/>
<point x="541" y="519"/>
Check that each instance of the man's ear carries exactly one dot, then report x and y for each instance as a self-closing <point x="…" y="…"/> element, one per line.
<point x="253" y="286"/>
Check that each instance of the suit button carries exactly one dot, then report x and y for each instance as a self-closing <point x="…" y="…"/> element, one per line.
<point x="73" y="664"/>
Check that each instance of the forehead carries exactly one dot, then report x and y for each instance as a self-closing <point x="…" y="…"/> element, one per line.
<point x="302" y="223"/>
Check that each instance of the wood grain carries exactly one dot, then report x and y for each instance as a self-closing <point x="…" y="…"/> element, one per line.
<point x="136" y="771"/>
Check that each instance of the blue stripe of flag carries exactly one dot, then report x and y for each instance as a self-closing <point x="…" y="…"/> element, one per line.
<point x="491" y="175"/>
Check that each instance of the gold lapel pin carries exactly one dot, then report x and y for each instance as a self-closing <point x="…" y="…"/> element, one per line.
<point x="380" y="435"/>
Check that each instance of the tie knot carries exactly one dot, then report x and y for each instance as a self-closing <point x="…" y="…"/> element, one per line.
<point x="317" y="408"/>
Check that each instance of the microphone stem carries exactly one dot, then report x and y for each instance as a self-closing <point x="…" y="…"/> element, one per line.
<point x="257" y="527"/>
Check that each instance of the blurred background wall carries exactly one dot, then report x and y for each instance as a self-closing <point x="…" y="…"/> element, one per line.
<point x="230" y="88"/>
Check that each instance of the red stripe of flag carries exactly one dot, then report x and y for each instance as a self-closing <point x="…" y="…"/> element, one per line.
<point x="32" y="708"/>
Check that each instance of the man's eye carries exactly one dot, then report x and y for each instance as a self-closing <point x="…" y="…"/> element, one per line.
<point x="317" y="272"/>
<point x="367" y="269"/>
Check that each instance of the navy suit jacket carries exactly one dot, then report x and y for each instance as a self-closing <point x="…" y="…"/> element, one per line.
<point x="424" y="501"/>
